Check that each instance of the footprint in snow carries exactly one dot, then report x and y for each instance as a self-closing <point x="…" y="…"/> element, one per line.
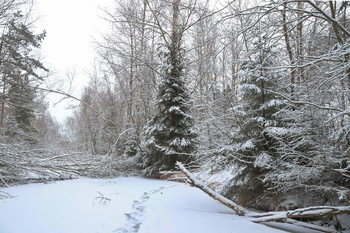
<point x="134" y="219"/>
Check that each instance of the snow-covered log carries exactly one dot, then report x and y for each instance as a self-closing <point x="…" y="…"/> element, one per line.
<point x="283" y="216"/>
<point x="309" y="212"/>
<point x="237" y="208"/>
<point x="318" y="211"/>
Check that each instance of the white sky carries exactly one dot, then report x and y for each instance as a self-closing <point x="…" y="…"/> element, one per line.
<point x="71" y="26"/>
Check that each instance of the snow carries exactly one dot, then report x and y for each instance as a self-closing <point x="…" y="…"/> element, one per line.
<point x="248" y="87"/>
<point x="248" y="145"/>
<point x="180" y="142"/>
<point x="277" y="131"/>
<point x="263" y="160"/>
<point x="273" y="103"/>
<point x="175" y="109"/>
<point x="135" y="205"/>
<point x="238" y="209"/>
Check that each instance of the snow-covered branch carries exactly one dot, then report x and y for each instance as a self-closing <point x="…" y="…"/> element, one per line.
<point x="197" y="183"/>
<point x="300" y="102"/>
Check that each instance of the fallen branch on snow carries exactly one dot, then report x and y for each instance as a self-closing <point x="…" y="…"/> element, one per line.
<point x="102" y="199"/>
<point x="278" y="216"/>
<point x="237" y="208"/>
<point x="54" y="157"/>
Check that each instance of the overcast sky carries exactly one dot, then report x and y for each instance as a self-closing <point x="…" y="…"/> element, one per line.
<point x="71" y="26"/>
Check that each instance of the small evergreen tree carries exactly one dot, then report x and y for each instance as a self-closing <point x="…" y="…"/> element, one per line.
<point x="22" y="102"/>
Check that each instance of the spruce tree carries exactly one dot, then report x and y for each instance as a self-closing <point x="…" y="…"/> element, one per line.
<point x="277" y="146"/>
<point x="170" y="135"/>
<point x="22" y="98"/>
<point x="252" y="148"/>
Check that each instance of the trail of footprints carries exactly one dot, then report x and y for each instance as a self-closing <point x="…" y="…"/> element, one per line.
<point x="134" y="219"/>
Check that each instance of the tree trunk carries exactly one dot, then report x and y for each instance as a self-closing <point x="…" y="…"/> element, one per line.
<point x="175" y="40"/>
<point x="289" y="51"/>
<point x="3" y="103"/>
<point x="237" y="208"/>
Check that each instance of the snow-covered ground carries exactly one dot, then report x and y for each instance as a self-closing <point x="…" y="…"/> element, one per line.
<point x="121" y="205"/>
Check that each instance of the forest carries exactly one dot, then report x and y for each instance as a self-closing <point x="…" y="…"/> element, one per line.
<point x="252" y="96"/>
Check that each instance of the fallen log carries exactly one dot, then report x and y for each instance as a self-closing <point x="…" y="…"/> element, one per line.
<point x="276" y="216"/>
<point x="283" y="217"/>
<point x="237" y="208"/>
<point x="318" y="211"/>
<point x="309" y="212"/>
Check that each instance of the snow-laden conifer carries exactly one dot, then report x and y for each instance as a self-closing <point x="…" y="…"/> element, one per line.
<point x="252" y="148"/>
<point x="170" y="135"/>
